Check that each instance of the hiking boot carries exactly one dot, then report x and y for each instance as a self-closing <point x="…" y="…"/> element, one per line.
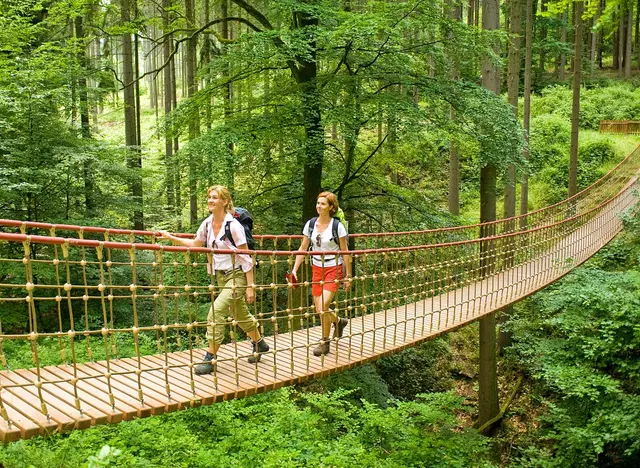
<point x="260" y="348"/>
<point x="340" y="325"/>
<point x="322" y="348"/>
<point x="206" y="367"/>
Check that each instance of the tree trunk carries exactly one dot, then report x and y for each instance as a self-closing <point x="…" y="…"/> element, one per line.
<point x="526" y="113"/>
<point x="85" y="130"/>
<point x="543" y="37"/>
<point x="314" y="133"/>
<point x="168" y="102"/>
<point x="575" y="109"/>
<point x="194" y="120"/>
<point x="177" y="177"/>
<point x="228" y="92"/>
<point x="455" y="13"/>
<point x="134" y="159"/>
<point x="629" y="41"/>
<point x="637" y="39"/>
<point x="563" y="38"/>
<point x="594" y="41"/>
<point x="621" y="41"/>
<point x="513" y="88"/>
<point x="487" y="379"/>
<point x="206" y="58"/>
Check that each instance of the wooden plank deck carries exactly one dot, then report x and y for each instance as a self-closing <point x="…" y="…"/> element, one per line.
<point x="166" y="383"/>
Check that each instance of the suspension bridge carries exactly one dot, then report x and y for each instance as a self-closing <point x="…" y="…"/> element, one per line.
<point x="103" y="325"/>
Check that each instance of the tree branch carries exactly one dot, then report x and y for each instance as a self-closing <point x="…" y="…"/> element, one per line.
<point x="353" y="176"/>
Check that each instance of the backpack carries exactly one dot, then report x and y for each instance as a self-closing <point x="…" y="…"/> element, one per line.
<point x="246" y="220"/>
<point x="334" y="229"/>
<point x="337" y="219"/>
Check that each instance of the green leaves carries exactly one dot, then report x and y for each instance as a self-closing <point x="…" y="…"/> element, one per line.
<point x="279" y="429"/>
<point x="580" y="340"/>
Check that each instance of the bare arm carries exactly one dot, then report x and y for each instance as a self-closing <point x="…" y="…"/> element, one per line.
<point x="304" y="246"/>
<point x="180" y="240"/>
<point x="347" y="262"/>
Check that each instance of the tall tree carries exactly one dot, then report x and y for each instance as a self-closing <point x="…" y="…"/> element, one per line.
<point x="513" y="88"/>
<point x="134" y="157"/>
<point x="562" y="64"/>
<point x="621" y="38"/>
<point x="575" y="108"/>
<point x="629" y="41"/>
<point x="455" y="13"/>
<point x="194" y="121"/>
<point x="168" y="105"/>
<point x="488" y="380"/>
<point x="85" y="130"/>
<point x="304" y="70"/>
<point x="526" y="112"/>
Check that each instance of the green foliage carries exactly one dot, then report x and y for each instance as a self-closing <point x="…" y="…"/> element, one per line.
<point x="362" y="383"/>
<point x="608" y="101"/>
<point x="550" y="147"/>
<point x="104" y="457"/>
<point x="45" y="161"/>
<point x="549" y="140"/>
<point x="420" y="369"/>
<point x="596" y="153"/>
<point x="279" y="429"/>
<point x="579" y="340"/>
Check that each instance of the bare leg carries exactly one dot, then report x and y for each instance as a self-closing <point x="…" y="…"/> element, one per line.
<point x="322" y="307"/>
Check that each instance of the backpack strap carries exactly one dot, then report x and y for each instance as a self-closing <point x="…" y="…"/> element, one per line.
<point x="312" y="224"/>
<point x="227" y="233"/>
<point x="208" y="228"/>
<point x="334" y="231"/>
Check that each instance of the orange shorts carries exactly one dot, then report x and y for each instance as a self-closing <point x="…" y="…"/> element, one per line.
<point x="326" y="274"/>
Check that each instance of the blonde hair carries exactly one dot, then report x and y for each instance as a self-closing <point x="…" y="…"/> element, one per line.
<point x="332" y="200"/>
<point x="224" y="194"/>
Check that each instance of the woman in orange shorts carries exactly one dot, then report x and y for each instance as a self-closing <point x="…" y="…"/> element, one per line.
<point x="326" y="234"/>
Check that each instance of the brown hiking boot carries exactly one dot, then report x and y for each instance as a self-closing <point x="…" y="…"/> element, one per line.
<point x="322" y="348"/>
<point x="259" y="349"/>
<point x="340" y="325"/>
<point x="206" y="367"/>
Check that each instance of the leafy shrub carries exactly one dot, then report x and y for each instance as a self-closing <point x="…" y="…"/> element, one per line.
<point x="597" y="152"/>
<point x="579" y="340"/>
<point x="279" y="429"/>
<point x="420" y="369"/>
<point x="555" y="179"/>
<point x="362" y="382"/>
<point x="549" y="139"/>
<point x="617" y="101"/>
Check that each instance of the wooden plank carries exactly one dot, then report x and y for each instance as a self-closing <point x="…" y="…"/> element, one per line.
<point x="155" y="380"/>
<point x="8" y="433"/>
<point x="179" y="379"/>
<point x="97" y="387"/>
<point x="23" y="403"/>
<point x="25" y="426"/>
<point x="99" y="406"/>
<point x="204" y="385"/>
<point x="121" y="393"/>
<point x="61" y="408"/>
<point x="225" y="373"/>
<point x="128" y="384"/>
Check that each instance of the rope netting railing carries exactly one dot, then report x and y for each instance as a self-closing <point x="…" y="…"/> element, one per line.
<point x="96" y="330"/>
<point x="603" y="189"/>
